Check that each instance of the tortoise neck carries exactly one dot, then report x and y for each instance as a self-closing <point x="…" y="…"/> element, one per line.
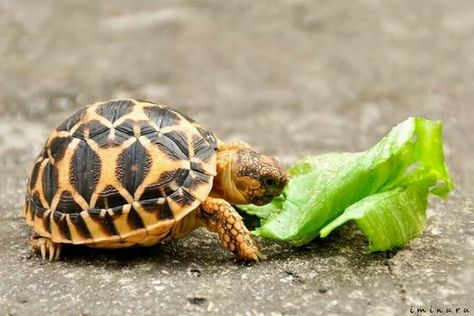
<point x="224" y="186"/>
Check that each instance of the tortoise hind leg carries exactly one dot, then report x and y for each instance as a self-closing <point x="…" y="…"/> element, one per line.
<point x="219" y="216"/>
<point x="43" y="245"/>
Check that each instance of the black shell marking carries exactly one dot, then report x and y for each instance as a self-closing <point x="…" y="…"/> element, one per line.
<point x="85" y="170"/>
<point x="113" y="110"/>
<point x="70" y="122"/>
<point x="133" y="166"/>
<point x="67" y="204"/>
<point x="162" y="116"/>
<point x="34" y="175"/>
<point x="110" y="198"/>
<point x="134" y="220"/>
<point x="80" y="224"/>
<point x="168" y="146"/>
<point x="50" y="181"/>
<point x="165" y="212"/>
<point x="58" y="147"/>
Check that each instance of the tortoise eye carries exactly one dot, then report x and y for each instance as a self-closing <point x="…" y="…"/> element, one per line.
<point x="269" y="182"/>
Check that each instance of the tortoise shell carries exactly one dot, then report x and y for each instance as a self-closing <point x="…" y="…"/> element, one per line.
<point x="119" y="172"/>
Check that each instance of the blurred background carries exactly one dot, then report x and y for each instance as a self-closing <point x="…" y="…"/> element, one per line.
<point x="290" y="77"/>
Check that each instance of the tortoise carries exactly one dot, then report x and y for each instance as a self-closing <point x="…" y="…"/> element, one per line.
<point x="121" y="173"/>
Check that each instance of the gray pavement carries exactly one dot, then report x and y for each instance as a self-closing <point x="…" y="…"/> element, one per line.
<point x="290" y="77"/>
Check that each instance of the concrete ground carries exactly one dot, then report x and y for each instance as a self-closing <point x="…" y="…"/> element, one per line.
<point x="290" y="77"/>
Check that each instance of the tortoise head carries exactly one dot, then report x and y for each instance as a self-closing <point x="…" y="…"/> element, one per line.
<point x="252" y="178"/>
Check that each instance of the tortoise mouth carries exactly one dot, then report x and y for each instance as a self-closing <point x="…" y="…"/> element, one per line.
<point x="262" y="200"/>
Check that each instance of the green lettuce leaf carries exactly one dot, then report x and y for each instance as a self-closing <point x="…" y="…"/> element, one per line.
<point x="384" y="190"/>
<point x="389" y="219"/>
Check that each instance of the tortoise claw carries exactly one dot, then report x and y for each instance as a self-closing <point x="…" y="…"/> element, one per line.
<point x="49" y="250"/>
<point x="258" y="256"/>
<point x="43" y="248"/>
<point x="59" y="247"/>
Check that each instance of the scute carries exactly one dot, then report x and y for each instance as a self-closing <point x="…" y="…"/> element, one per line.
<point x="67" y="203"/>
<point x="109" y="198"/>
<point x="180" y="139"/>
<point x="135" y="157"/>
<point x="70" y="122"/>
<point x="84" y="170"/>
<point x="114" y="110"/>
<point x="168" y="145"/>
<point x="50" y="182"/>
<point x="80" y="225"/>
<point x="162" y="116"/>
<point x="117" y="171"/>
<point x="58" y="147"/>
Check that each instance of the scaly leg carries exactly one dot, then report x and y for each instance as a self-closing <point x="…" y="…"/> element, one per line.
<point x="46" y="247"/>
<point x="219" y="216"/>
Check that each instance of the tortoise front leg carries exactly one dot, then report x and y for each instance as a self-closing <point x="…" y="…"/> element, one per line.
<point x="45" y="246"/>
<point x="220" y="217"/>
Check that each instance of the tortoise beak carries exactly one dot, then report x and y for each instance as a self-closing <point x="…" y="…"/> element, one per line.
<point x="263" y="200"/>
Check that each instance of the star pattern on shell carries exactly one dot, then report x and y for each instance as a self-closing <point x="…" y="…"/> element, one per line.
<point x="119" y="171"/>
